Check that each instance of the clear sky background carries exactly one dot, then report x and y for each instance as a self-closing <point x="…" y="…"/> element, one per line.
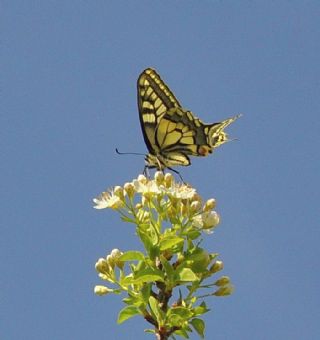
<point x="68" y="92"/>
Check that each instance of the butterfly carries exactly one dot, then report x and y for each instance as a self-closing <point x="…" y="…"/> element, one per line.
<point x="171" y="133"/>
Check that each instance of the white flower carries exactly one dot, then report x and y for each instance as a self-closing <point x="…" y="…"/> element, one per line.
<point x="147" y="189"/>
<point x="108" y="200"/>
<point x="179" y="191"/>
<point x="206" y="220"/>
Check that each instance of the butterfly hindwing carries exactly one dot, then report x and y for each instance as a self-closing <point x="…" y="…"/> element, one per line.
<point x="183" y="132"/>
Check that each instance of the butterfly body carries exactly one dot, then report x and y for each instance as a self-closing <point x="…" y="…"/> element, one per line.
<point x="171" y="133"/>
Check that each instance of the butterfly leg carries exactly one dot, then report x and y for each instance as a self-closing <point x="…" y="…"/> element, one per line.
<point x="146" y="171"/>
<point x="178" y="173"/>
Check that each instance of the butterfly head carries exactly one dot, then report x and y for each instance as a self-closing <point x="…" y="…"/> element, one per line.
<point x="216" y="134"/>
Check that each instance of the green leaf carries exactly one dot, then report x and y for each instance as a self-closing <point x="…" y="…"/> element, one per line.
<point x="132" y="255"/>
<point x="182" y="333"/>
<point x="192" y="234"/>
<point x="201" y="309"/>
<point x="184" y="312"/>
<point x="175" y="321"/>
<point x="127" y="313"/>
<point x="154" y="252"/>
<point x="146" y="240"/>
<point x="140" y="265"/>
<point x="134" y="300"/>
<point x="186" y="274"/>
<point x="168" y="269"/>
<point x="130" y="300"/>
<point x="148" y="275"/>
<point x="198" y="259"/>
<point x="149" y="331"/>
<point x="127" y="280"/>
<point x="199" y="326"/>
<point x="154" y="305"/>
<point x="169" y="241"/>
<point x="178" y="316"/>
<point x="145" y="292"/>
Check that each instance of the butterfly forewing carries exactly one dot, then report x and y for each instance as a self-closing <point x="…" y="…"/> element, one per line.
<point x="154" y="100"/>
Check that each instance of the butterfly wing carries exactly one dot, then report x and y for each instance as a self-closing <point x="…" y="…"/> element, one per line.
<point x="177" y="135"/>
<point x="171" y="133"/>
<point x="154" y="100"/>
<point x="181" y="133"/>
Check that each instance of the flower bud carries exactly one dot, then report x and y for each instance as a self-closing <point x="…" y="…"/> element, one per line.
<point x="224" y="291"/>
<point x="159" y="177"/>
<point x="102" y="290"/>
<point x="224" y="280"/>
<point x="118" y="191"/>
<point x="195" y="206"/>
<point x="211" y="220"/>
<point x="116" y="253"/>
<point x="209" y="205"/>
<point x="196" y="197"/>
<point x="102" y="266"/>
<point x="142" y="179"/>
<point x="168" y="180"/>
<point x="111" y="261"/>
<point x="105" y="277"/>
<point x="129" y="189"/>
<point x="216" y="267"/>
<point x="206" y="220"/>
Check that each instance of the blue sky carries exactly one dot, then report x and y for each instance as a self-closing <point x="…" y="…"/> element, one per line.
<point x="68" y="88"/>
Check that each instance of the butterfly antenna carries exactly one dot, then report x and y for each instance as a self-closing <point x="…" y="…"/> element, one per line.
<point x="233" y="139"/>
<point x="129" y="153"/>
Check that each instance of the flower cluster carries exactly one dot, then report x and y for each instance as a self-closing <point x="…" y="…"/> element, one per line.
<point x="137" y="200"/>
<point x="106" y="269"/>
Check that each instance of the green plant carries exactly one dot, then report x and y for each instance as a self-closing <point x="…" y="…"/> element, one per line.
<point x="168" y="282"/>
